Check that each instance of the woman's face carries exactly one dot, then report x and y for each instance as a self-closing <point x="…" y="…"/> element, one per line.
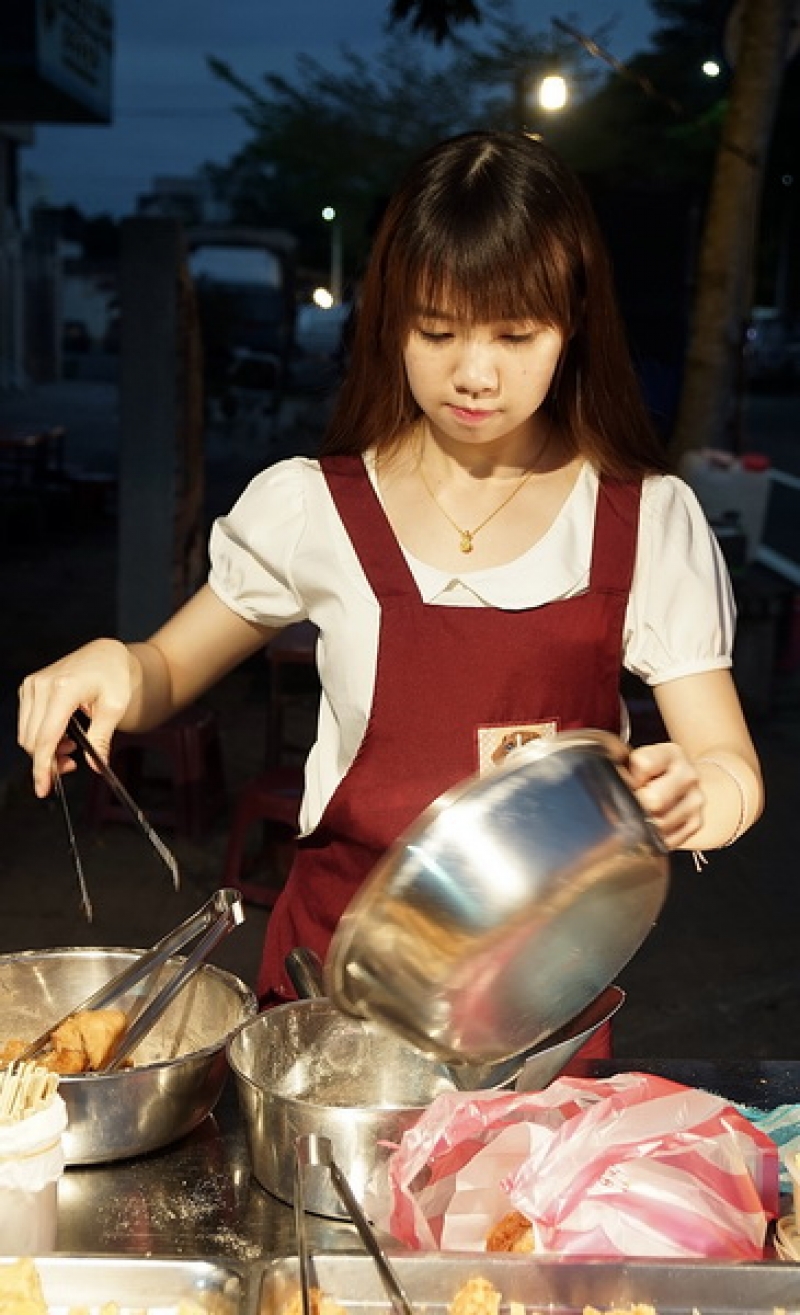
<point x="479" y="382"/>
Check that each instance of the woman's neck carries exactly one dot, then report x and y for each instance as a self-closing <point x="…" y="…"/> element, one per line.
<point x="537" y="448"/>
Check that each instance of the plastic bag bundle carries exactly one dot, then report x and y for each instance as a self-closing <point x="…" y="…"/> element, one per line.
<point x="632" y="1165"/>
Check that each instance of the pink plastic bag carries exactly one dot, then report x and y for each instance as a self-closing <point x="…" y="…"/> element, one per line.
<point x="632" y="1165"/>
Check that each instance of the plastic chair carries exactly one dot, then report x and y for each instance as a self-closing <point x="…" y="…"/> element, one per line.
<point x="271" y="800"/>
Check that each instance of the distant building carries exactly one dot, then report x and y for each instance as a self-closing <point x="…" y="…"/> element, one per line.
<point x="189" y="198"/>
<point x="56" y="60"/>
<point x="12" y="283"/>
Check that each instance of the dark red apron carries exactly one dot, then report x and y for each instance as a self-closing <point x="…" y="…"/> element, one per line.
<point x="443" y="674"/>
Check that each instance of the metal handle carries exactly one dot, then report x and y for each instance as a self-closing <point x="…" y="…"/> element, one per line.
<point x="301" y="1233"/>
<point x="304" y="969"/>
<point x="313" y="1148"/>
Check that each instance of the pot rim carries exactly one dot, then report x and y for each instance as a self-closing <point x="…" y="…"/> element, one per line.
<point x="323" y="1005"/>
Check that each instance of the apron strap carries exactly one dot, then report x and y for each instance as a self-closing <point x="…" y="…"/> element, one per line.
<point x="368" y="527"/>
<point x="616" y="530"/>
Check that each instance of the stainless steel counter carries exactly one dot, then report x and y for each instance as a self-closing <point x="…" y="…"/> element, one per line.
<point x="195" y="1198"/>
<point x="198" y="1197"/>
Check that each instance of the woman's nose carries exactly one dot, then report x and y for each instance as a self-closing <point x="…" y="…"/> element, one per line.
<point x="475" y="370"/>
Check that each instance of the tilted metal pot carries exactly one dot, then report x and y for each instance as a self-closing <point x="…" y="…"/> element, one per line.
<point x="510" y="905"/>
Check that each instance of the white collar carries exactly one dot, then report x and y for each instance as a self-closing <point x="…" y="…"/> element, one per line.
<point x="555" y="567"/>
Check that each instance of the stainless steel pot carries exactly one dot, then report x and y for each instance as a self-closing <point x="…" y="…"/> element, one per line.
<point x="508" y="907"/>
<point x="305" y="1067"/>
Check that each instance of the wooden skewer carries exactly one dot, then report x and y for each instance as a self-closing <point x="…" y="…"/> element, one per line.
<point x="25" y="1089"/>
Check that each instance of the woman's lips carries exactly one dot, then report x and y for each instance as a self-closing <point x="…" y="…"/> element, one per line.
<point x="468" y="416"/>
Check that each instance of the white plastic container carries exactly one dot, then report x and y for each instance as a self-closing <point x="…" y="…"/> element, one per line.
<point x="724" y="484"/>
<point x="31" y="1163"/>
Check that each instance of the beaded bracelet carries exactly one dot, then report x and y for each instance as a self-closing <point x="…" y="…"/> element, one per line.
<point x="740" y="827"/>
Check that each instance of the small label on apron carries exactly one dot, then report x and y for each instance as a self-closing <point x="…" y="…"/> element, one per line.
<point x="495" y="743"/>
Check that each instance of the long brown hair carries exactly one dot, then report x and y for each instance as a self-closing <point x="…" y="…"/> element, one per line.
<point x="496" y="227"/>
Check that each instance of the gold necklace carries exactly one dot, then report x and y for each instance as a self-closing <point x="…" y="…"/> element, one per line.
<point x="467" y="536"/>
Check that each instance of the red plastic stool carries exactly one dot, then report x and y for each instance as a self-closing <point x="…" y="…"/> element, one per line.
<point x="272" y="799"/>
<point x="188" y="746"/>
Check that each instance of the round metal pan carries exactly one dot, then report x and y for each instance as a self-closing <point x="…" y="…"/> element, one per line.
<point x="509" y="906"/>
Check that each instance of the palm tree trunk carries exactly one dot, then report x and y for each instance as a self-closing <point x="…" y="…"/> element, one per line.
<point x="708" y="413"/>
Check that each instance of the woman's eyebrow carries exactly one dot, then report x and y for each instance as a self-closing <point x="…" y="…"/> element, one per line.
<point x="432" y="313"/>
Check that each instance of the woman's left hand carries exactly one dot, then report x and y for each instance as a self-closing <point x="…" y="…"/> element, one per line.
<point x="667" y="787"/>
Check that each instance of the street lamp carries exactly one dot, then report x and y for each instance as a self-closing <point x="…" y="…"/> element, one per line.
<point x="551" y="95"/>
<point x="553" y="92"/>
<point x="330" y="217"/>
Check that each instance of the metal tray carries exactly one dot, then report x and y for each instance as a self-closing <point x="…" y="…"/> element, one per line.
<point x="557" y="1287"/>
<point x="140" y="1284"/>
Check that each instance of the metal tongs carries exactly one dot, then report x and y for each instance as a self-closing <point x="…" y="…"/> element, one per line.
<point x="315" y="1149"/>
<point x="218" y="916"/>
<point x="109" y="775"/>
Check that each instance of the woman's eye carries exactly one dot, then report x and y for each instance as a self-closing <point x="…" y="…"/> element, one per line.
<point x="519" y="337"/>
<point x="434" y="335"/>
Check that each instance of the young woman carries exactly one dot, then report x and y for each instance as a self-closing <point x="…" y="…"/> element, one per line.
<point x="489" y="538"/>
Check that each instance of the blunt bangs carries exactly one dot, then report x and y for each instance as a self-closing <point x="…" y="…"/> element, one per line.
<point x="485" y="242"/>
<point x="484" y="277"/>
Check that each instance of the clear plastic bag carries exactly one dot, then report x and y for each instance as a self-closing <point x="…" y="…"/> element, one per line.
<point x="31" y="1164"/>
<point x="632" y="1165"/>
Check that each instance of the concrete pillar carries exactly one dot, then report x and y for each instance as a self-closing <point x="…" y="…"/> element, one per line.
<point x="161" y="555"/>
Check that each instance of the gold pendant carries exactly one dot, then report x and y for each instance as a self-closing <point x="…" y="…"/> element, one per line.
<point x="466" y="541"/>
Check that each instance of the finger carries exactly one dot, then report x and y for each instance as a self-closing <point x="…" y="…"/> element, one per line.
<point x="100" y="731"/>
<point x="647" y="763"/>
<point x="678" y="820"/>
<point x="46" y="746"/>
<point x="46" y="708"/>
<point x="26" y="695"/>
<point x="47" y="761"/>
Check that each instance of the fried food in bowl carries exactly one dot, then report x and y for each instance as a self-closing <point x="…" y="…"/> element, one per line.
<point x="177" y="1072"/>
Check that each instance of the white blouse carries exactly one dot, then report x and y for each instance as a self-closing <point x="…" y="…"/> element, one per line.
<point x="282" y="555"/>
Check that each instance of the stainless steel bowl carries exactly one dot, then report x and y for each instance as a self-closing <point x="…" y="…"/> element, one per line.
<point x="179" y="1069"/>
<point x="304" y="1067"/>
<point x="513" y="902"/>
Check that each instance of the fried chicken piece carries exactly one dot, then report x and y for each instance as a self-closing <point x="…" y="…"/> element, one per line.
<point x="514" y="1232"/>
<point x="476" y="1297"/>
<point x="636" y="1308"/>
<point x="11" y="1050"/>
<point x="67" y="1054"/>
<point x="320" y="1304"/>
<point x="20" y="1289"/>
<point x="81" y="1044"/>
<point x="100" y="1030"/>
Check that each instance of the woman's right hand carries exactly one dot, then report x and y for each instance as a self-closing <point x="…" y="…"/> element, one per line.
<point x="99" y="678"/>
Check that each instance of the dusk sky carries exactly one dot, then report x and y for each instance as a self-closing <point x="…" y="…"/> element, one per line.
<point x="171" y="114"/>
